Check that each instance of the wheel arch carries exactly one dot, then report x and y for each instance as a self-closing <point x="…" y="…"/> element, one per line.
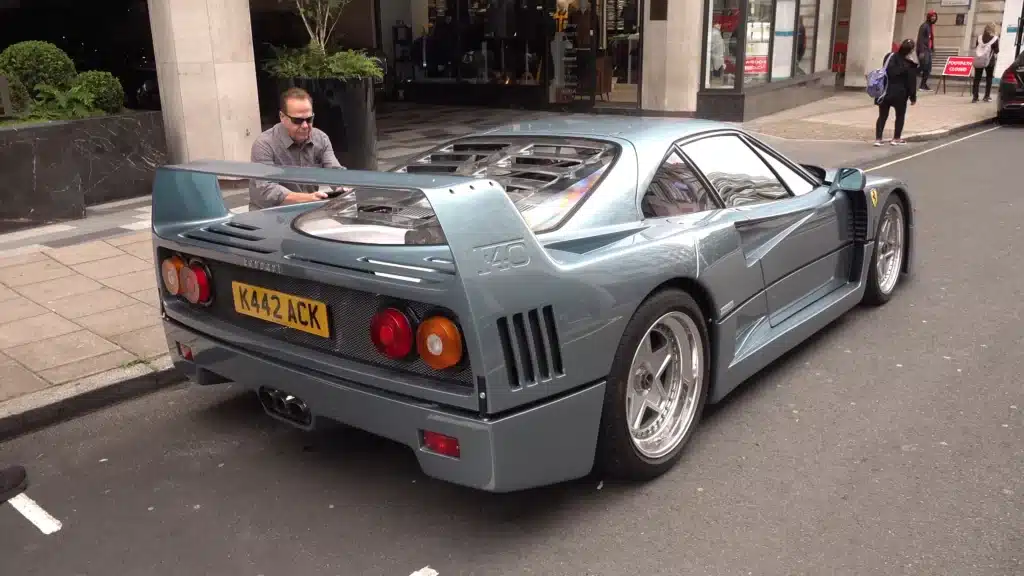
<point x="700" y="293"/>
<point x="908" y="226"/>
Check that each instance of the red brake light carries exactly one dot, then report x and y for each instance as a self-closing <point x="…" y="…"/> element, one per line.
<point x="195" y="284"/>
<point x="391" y="333"/>
<point x="1009" y="76"/>
<point x="441" y="444"/>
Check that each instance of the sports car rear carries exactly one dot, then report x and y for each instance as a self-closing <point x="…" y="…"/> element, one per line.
<point x="390" y="308"/>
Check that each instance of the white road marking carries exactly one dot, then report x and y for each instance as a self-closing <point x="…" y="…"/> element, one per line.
<point x="35" y="514"/>
<point x="425" y="571"/>
<point x="930" y="150"/>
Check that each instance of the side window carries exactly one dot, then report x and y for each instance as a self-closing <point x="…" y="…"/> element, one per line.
<point x="737" y="172"/>
<point x="675" y="190"/>
<point x="796" y="183"/>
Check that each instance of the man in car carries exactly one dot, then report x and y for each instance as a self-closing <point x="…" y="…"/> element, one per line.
<point x="291" y="142"/>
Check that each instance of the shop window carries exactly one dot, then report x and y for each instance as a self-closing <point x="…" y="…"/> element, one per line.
<point x="675" y="190"/>
<point x="738" y="174"/>
<point x="722" y="44"/>
<point x="785" y="39"/>
<point x="759" y="38"/>
<point x="806" y="36"/>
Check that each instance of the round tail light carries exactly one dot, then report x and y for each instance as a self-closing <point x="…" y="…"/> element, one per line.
<point x="195" y="284"/>
<point x="170" y="270"/>
<point x="439" y="342"/>
<point x="391" y="333"/>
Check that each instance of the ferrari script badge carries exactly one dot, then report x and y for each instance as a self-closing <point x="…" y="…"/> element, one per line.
<point x="874" y="197"/>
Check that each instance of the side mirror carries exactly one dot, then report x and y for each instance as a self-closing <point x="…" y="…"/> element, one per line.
<point x="849" y="180"/>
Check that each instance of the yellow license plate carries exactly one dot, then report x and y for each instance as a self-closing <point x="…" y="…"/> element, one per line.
<point x="280" y="308"/>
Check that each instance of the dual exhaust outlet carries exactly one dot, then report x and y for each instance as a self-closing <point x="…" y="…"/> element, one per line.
<point x="286" y="407"/>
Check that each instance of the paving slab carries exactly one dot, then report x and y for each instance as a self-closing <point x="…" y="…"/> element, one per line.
<point x="145" y="343"/>
<point x="52" y="290"/>
<point x="43" y="354"/>
<point x="81" y="253"/>
<point x="34" y="329"/>
<point x="19" y="308"/>
<point x="33" y="273"/>
<point x="88" y="366"/>
<point x="102" y="299"/>
<point x="17" y="380"/>
<point x="118" y="321"/>
<point x="132" y="282"/>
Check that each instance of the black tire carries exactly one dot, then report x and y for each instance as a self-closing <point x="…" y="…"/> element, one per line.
<point x="873" y="294"/>
<point x="617" y="457"/>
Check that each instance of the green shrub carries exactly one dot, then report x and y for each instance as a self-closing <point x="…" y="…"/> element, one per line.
<point x="20" y="98"/>
<point x="56" y="104"/>
<point x="311" y="62"/>
<point x="35" y="62"/>
<point x="106" y="90"/>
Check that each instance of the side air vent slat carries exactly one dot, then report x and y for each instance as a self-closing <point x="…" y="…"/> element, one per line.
<point x="529" y="342"/>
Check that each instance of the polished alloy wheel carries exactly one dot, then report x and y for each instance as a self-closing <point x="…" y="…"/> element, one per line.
<point x="665" y="383"/>
<point x="890" y="248"/>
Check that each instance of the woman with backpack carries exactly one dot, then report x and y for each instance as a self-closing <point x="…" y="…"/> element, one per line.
<point x="900" y="87"/>
<point x="985" y="61"/>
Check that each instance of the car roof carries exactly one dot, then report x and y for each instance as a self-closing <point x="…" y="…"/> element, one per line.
<point x="637" y="130"/>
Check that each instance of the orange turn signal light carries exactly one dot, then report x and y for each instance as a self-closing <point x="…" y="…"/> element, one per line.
<point x="439" y="342"/>
<point x="170" y="270"/>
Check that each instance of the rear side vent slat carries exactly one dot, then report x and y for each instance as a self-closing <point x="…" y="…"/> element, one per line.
<point x="529" y="342"/>
<point x="525" y="355"/>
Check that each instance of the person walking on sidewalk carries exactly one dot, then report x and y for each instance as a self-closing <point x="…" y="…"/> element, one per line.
<point x="13" y="481"/>
<point x="926" y="47"/>
<point x="985" y="53"/>
<point x="291" y="142"/>
<point x="901" y="87"/>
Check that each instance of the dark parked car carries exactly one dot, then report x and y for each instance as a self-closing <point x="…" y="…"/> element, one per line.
<point x="1010" y="103"/>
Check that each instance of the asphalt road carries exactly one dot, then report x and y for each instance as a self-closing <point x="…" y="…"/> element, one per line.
<point x="893" y="443"/>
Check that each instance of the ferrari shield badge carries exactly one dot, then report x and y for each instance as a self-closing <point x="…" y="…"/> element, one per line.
<point x="874" y="197"/>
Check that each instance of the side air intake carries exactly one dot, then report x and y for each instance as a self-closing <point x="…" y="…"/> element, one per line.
<point x="530" y="344"/>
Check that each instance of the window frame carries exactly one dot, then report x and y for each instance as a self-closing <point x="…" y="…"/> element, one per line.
<point x="763" y="149"/>
<point x="675" y="148"/>
<point x="742" y="137"/>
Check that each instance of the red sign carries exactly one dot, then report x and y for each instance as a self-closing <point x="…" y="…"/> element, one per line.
<point x="901" y="5"/>
<point x="756" y="65"/>
<point x="961" y="66"/>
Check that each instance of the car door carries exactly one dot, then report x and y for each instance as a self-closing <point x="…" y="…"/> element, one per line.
<point x="795" y="228"/>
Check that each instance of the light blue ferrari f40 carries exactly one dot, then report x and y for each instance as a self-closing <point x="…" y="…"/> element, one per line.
<point x="521" y="305"/>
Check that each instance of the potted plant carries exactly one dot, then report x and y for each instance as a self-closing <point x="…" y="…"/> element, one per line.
<point x="340" y="81"/>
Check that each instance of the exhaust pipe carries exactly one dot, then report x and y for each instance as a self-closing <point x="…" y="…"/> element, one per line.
<point x="286" y="407"/>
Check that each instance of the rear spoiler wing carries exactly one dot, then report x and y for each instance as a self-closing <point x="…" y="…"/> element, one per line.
<point x="485" y="232"/>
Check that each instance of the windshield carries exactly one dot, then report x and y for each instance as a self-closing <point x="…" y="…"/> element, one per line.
<point x="545" y="177"/>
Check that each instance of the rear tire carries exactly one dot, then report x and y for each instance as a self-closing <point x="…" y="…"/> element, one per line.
<point x="889" y="253"/>
<point x="657" y="388"/>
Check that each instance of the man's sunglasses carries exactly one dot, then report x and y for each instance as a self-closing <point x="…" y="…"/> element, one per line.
<point x="301" y="121"/>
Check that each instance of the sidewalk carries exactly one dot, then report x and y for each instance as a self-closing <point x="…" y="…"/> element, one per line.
<point x="851" y="115"/>
<point x="79" y="317"/>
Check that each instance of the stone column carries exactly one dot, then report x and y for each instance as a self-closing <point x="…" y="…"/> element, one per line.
<point x="671" y="57"/>
<point x="871" y="27"/>
<point x="912" y="20"/>
<point x="207" y="75"/>
<point x="1008" y="33"/>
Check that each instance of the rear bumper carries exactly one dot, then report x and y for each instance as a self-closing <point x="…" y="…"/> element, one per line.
<point x="544" y="444"/>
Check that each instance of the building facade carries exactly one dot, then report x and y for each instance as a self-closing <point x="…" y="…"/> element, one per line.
<point x="724" y="59"/>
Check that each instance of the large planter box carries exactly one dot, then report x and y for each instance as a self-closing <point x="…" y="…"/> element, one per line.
<point x="52" y="171"/>
<point x="346" y="111"/>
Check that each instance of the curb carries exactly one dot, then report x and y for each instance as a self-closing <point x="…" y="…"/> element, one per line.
<point x="940" y="134"/>
<point x="50" y="406"/>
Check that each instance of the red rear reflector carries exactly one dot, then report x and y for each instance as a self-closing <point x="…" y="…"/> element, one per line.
<point x="441" y="444"/>
<point x="195" y="284"/>
<point x="185" y="351"/>
<point x="391" y="333"/>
